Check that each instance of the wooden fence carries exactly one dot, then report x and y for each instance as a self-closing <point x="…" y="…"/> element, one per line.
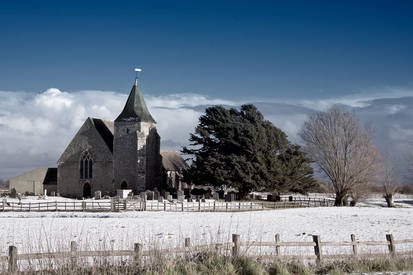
<point x="236" y="247"/>
<point x="154" y="205"/>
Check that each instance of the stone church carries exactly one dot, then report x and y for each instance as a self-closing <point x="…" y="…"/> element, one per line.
<point x="121" y="154"/>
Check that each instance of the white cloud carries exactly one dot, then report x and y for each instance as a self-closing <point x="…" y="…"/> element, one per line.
<point x="36" y="128"/>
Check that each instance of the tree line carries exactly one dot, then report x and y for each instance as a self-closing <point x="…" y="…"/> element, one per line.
<point x="241" y="150"/>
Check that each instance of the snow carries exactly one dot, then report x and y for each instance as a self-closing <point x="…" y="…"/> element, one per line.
<point x="52" y="231"/>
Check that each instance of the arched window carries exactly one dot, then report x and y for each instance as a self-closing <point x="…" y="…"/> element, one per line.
<point x="86" y="166"/>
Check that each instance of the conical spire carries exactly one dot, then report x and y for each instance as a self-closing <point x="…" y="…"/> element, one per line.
<point x="135" y="108"/>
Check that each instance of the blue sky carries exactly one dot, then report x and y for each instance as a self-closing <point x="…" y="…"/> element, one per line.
<point x="242" y="49"/>
<point x="61" y="62"/>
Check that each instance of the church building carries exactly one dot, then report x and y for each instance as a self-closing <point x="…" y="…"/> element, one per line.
<point x="122" y="154"/>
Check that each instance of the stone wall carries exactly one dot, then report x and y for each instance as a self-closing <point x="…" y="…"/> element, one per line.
<point x="30" y="182"/>
<point x="136" y="153"/>
<point x="69" y="183"/>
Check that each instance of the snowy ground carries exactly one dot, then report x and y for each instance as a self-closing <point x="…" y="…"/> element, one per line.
<point x="50" y="231"/>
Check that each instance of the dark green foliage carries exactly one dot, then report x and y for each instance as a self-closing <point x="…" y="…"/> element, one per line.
<point x="240" y="149"/>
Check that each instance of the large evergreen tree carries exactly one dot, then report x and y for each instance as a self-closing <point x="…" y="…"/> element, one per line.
<point x="240" y="149"/>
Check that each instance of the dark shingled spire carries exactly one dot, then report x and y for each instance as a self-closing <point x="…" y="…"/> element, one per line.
<point x="135" y="108"/>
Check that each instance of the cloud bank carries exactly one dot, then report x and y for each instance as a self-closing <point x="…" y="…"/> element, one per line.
<point x="36" y="128"/>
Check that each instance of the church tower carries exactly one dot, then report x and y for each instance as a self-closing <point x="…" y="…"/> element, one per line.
<point x="136" y="146"/>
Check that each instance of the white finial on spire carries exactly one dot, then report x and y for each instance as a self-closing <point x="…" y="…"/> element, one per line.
<point x="137" y="70"/>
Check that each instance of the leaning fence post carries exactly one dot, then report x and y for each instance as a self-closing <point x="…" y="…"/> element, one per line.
<point x="317" y="247"/>
<point x="73" y="249"/>
<point x="138" y="253"/>
<point x="392" y="248"/>
<point x="236" y="247"/>
<point x="12" y="259"/>
<point x="354" y="243"/>
<point x="277" y="247"/>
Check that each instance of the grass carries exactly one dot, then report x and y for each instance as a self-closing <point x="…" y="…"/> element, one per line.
<point x="213" y="263"/>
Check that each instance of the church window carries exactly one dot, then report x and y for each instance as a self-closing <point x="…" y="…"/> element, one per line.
<point x="86" y="166"/>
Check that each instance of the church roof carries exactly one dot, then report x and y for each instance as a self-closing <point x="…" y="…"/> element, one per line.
<point x="105" y="129"/>
<point x="135" y="108"/>
<point x="51" y="176"/>
<point x="173" y="161"/>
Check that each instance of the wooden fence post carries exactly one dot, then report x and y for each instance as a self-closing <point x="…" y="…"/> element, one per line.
<point x="187" y="245"/>
<point x="112" y="205"/>
<point x="138" y="253"/>
<point x="199" y="205"/>
<point x="354" y="243"/>
<point x="124" y="204"/>
<point x="187" y="242"/>
<point x="164" y="206"/>
<point x="214" y="205"/>
<point x="236" y="247"/>
<point x="73" y="250"/>
<point x="12" y="259"/>
<point x="83" y="205"/>
<point x="226" y="206"/>
<point x="392" y="248"/>
<point x="317" y="247"/>
<point x="277" y="247"/>
<point x="182" y="206"/>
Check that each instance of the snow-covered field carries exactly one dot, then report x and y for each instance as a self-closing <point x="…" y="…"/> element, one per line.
<point x="50" y="231"/>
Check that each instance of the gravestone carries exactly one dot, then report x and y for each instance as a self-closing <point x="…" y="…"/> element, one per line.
<point x="143" y="196"/>
<point x="98" y="195"/>
<point x="156" y="195"/>
<point x="181" y="198"/>
<point x="123" y="193"/>
<point x="166" y="194"/>
<point x="169" y="198"/>
<point x="208" y="196"/>
<point x="215" y="196"/>
<point x="230" y="197"/>
<point x="150" y="195"/>
<point x="160" y="199"/>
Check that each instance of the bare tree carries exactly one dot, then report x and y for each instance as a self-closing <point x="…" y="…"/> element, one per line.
<point x="388" y="181"/>
<point x="342" y="149"/>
